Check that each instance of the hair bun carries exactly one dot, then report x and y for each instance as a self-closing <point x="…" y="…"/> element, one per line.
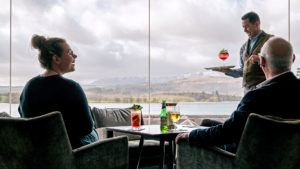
<point x="38" y="41"/>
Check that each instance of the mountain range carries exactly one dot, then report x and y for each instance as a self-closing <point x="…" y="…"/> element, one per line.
<point x="184" y="88"/>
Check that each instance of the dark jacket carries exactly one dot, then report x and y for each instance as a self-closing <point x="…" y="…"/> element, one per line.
<point x="278" y="97"/>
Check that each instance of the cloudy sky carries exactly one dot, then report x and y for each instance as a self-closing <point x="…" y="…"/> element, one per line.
<point x="110" y="37"/>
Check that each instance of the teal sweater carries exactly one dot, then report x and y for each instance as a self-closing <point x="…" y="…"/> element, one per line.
<point x="42" y="95"/>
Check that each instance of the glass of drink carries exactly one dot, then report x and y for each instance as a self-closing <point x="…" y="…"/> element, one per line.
<point x="135" y="119"/>
<point x="170" y="110"/>
<point x="175" y="115"/>
<point x="223" y="55"/>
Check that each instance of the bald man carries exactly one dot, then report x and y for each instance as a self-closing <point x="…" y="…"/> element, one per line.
<point x="275" y="96"/>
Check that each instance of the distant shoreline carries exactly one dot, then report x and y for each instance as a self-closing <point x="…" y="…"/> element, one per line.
<point x="193" y="110"/>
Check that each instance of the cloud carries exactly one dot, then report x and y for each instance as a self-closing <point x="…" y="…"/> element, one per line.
<point x="111" y="36"/>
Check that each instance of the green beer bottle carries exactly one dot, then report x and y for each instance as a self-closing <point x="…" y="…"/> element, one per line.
<point x="163" y="118"/>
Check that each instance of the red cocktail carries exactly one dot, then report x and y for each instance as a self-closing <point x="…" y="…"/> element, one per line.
<point x="136" y="119"/>
<point x="223" y="54"/>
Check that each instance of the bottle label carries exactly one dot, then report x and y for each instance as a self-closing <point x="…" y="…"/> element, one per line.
<point x="163" y="121"/>
<point x="163" y="124"/>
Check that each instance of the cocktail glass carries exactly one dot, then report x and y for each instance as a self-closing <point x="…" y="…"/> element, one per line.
<point x="136" y="119"/>
<point x="223" y="55"/>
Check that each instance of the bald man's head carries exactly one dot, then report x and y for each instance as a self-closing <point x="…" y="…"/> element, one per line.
<point x="278" y="55"/>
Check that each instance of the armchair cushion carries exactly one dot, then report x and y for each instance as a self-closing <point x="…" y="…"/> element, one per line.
<point x="112" y="117"/>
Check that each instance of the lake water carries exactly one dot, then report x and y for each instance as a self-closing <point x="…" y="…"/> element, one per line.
<point x="186" y="108"/>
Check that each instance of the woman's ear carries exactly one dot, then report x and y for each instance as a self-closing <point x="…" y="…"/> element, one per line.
<point x="55" y="59"/>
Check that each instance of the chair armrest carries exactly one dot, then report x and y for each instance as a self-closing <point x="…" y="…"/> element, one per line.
<point x="111" y="153"/>
<point x="102" y="133"/>
<point x="199" y="157"/>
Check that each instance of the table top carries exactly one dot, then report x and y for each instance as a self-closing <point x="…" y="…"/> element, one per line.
<point x="153" y="130"/>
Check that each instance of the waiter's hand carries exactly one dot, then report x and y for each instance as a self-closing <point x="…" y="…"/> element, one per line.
<point x="182" y="136"/>
<point x="253" y="59"/>
<point x="224" y="70"/>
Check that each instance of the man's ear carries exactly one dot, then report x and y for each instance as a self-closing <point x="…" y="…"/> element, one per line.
<point x="262" y="61"/>
<point x="257" y="23"/>
<point x="294" y="57"/>
<point x="55" y="59"/>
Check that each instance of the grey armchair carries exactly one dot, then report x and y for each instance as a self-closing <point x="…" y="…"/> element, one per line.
<point x="266" y="143"/>
<point x="42" y="143"/>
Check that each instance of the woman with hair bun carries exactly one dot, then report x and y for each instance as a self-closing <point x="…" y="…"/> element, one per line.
<point x="50" y="91"/>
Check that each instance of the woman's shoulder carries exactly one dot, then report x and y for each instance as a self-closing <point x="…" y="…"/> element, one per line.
<point x="70" y="83"/>
<point x="33" y="80"/>
<point x="55" y="80"/>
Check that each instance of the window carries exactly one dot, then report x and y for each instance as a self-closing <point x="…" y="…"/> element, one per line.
<point x="4" y="56"/>
<point x="295" y="38"/>
<point x="110" y="38"/>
